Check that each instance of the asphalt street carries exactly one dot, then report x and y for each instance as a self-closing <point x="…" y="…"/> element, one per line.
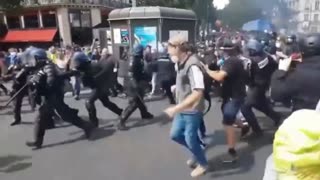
<point x="144" y="152"/>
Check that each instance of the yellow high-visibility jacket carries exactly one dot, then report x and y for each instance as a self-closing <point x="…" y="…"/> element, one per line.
<point x="296" y="147"/>
<point x="53" y="57"/>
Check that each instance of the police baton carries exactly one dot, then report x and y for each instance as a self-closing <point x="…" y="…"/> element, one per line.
<point x="14" y="96"/>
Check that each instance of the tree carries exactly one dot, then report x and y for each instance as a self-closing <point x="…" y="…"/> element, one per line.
<point x="239" y="12"/>
<point x="10" y="4"/>
<point x="203" y="8"/>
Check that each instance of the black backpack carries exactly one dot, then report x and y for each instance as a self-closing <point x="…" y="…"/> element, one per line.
<point x="207" y="86"/>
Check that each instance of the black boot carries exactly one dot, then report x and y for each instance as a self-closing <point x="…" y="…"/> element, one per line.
<point x="172" y="101"/>
<point x="122" y="126"/>
<point x="147" y="115"/>
<point x="244" y="131"/>
<point x="15" y="123"/>
<point x="95" y="122"/>
<point x="126" y="113"/>
<point x="88" y="130"/>
<point x="35" y="144"/>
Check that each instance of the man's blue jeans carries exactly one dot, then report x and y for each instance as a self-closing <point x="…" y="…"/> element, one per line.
<point x="185" y="128"/>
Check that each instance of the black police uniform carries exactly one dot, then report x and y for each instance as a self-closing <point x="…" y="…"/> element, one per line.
<point x="20" y="79"/>
<point x="300" y="84"/>
<point x="135" y="89"/>
<point x="49" y="82"/>
<point x="166" y="76"/>
<point x="261" y="70"/>
<point x="100" y="77"/>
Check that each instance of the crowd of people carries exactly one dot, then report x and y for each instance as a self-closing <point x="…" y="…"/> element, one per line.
<point x="242" y="70"/>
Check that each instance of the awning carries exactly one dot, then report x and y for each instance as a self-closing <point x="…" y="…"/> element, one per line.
<point x="34" y="35"/>
<point x="103" y="24"/>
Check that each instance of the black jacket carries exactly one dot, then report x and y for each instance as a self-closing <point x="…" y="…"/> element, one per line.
<point x="261" y="74"/>
<point x="166" y="70"/>
<point x="300" y="85"/>
<point x="136" y="68"/>
<point x="100" y="75"/>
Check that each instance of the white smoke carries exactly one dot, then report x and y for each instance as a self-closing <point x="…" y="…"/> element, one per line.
<point x="220" y="4"/>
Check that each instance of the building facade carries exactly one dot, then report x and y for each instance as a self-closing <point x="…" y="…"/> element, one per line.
<point x="62" y="22"/>
<point x="307" y="15"/>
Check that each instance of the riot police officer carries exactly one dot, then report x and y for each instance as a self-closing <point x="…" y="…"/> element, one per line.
<point x="261" y="70"/>
<point x="100" y="77"/>
<point x="135" y="90"/>
<point x="300" y="84"/>
<point x="49" y="82"/>
<point x="166" y="73"/>
<point x="24" y="70"/>
<point x="291" y="45"/>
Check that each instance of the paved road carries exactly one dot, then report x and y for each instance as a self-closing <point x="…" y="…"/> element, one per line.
<point x="145" y="152"/>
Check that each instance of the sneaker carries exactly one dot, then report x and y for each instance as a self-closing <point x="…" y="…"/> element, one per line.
<point x="199" y="171"/>
<point x="231" y="157"/>
<point x="192" y="163"/>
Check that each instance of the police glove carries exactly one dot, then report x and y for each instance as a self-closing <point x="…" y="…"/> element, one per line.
<point x="35" y="79"/>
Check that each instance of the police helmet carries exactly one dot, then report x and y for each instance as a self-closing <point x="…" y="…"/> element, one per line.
<point x="34" y="57"/>
<point x="291" y="39"/>
<point x="163" y="51"/>
<point x="274" y="35"/>
<point x="39" y="54"/>
<point x="254" y="47"/>
<point x="80" y="59"/>
<point x="310" y="45"/>
<point x="137" y="50"/>
<point x="265" y="41"/>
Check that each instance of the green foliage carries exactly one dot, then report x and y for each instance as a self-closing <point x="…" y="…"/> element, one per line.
<point x="200" y="7"/>
<point x="239" y="12"/>
<point x="10" y="4"/>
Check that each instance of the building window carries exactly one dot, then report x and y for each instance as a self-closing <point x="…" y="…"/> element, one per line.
<point x="80" y="18"/>
<point x="316" y="7"/>
<point x="306" y="17"/>
<point x="316" y="17"/>
<point x="74" y="19"/>
<point x="13" y="22"/>
<point x="85" y="18"/>
<point x="307" y="5"/>
<point x="49" y="20"/>
<point x="31" y="21"/>
<point x="314" y="29"/>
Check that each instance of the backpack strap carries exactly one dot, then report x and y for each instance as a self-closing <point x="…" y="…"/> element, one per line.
<point x="206" y="92"/>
